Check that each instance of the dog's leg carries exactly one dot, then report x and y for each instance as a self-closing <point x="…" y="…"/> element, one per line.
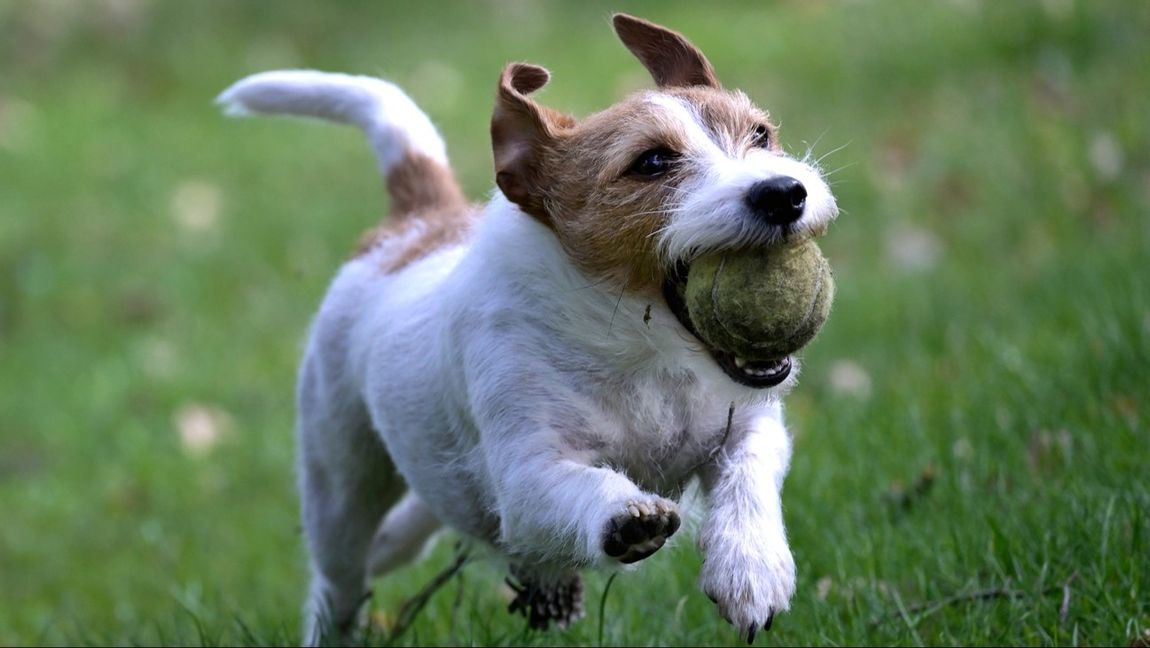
<point x="556" y="509"/>
<point x="546" y="596"/>
<point x="347" y="482"/>
<point x="748" y="569"/>
<point x="402" y="535"/>
<point x="341" y="510"/>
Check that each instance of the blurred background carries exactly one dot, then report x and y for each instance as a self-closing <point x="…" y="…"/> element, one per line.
<point x="971" y="428"/>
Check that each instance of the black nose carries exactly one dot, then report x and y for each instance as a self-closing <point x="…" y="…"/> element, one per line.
<point x="779" y="201"/>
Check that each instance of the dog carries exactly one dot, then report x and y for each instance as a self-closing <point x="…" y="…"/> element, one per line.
<point x="521" y="371"/>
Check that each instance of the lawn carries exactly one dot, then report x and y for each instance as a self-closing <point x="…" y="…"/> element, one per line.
<point x="972" y="431"/>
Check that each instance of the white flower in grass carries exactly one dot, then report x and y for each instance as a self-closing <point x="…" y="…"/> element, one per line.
<point x="196" y="206"/>
<point x="1106" y="156"/>
<point x="848" y="378"/>
<point x="201" y="427"/>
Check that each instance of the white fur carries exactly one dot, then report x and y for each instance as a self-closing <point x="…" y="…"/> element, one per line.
<point x="749" y="570"/>
<point x="495" y="388"/>
<point x="471" y="376"/>
<point x="712" y="214"/>
<point x="392" y="121"/>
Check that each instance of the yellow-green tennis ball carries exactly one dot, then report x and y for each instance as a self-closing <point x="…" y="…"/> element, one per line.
<point x="761" y="304"/>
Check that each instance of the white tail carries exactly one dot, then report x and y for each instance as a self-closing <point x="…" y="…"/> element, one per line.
<point x="394" y="125"/>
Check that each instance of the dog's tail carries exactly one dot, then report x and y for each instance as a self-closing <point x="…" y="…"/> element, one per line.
<point x="410" y="152"/>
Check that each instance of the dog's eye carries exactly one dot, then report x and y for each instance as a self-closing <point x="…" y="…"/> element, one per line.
<point x="653" y="163"/>
<point x="762" y="138"/>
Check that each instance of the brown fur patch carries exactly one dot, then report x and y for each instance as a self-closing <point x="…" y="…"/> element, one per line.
<point x="607" y="220"/>
<point x="520" y="131"/>
<point x="428" y="209"/>
<point x="428" y="231"/>
<point x="419" y="183"/>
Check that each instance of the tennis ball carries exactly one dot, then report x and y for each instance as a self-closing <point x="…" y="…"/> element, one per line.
<point x="760" y="304"/>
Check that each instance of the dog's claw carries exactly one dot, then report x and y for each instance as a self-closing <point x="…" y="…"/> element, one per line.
<point x="770" y="620"/>
<point x="751" y="634"/>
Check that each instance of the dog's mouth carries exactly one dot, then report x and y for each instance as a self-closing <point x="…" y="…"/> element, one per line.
<point x="759" y="373"/>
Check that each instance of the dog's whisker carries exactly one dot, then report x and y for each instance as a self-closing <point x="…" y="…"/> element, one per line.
<point x="838" y="169"/>
<point x="831" y="152"/>
<point x="807" y="156"/>
<point x="818" y="139"/>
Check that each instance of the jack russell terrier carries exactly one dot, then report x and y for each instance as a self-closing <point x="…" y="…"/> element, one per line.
<point x="515" y="370"/>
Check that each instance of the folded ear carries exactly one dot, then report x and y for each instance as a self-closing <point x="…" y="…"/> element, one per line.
<point x="521" y="132"/>
<point x="670" y="58"/>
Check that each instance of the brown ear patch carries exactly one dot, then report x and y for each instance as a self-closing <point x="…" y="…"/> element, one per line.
<point x="521" y="133"/>
<point x="670" y="58"/>
<point x="524" y="78"/>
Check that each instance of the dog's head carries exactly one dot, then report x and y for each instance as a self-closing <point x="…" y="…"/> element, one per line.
<point x="636" y="192"/>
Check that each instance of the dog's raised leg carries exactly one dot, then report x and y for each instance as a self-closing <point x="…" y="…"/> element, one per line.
<point x="347" y="482"/>
<point x="748" y="570"/>
<point x="641" y="530"/>
<point x="402" y="536"/>
<point x="555" y="509"/>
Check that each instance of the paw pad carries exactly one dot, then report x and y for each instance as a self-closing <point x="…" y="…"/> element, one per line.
<point x="641" y="530"/>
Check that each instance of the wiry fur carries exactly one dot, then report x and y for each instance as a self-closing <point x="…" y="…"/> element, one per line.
<point x="523" y="380"/>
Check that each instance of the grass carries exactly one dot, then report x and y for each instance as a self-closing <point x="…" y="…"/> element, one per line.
<point x="974" y="417"/>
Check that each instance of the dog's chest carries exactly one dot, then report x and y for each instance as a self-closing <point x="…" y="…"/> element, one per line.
<point x="657" y="432"/>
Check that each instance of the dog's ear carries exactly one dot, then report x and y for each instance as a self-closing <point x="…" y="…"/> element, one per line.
<point x="670" y="58"/>
<point x="521" y="133"/>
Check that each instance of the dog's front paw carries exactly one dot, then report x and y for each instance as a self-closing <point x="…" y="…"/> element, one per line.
<point x="640" y="530"/>
<point x="750" y="582"/>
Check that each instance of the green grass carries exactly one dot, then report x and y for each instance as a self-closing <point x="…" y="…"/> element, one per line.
<point x="993" y="310"/>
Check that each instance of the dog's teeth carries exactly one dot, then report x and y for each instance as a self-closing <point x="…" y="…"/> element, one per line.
<point x="740" y="362"/>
